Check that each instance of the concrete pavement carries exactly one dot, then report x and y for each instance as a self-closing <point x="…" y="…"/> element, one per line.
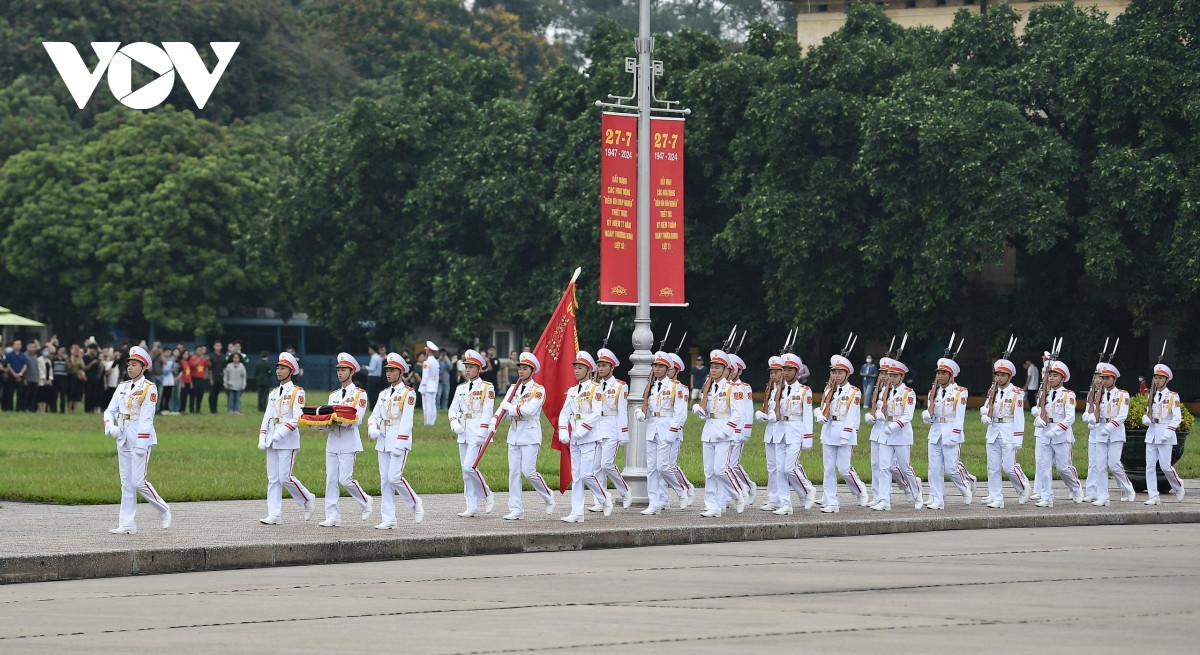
<point x="41" y="542"/>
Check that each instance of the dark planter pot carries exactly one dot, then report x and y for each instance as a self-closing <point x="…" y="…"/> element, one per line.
<point x="1133" y="457"/>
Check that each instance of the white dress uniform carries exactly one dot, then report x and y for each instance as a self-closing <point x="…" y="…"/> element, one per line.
<point x="470" y="413"/>
<point x="688" y="496"/>
<point x="794" y="421"/>
<point x="342" y="447"/>
<point x="1162" y="420"/>
<point x="1005" y="435"/>
<point x="279" y="436"/>
<point x="1054" y="438"/>
<point x="839" y="436"/>
<point x="577" y="426"/>
<point x="773" y="447"/>
<point x="525" y="440"/>
<point x="665" y="413"/>
<point x="744" y="394"/>
<point x="880" y="484"/>
<point x="129" y="419"/>
<point x="722" y="415"/>
<point x="613" y="424"/>
<point x="1108" y="431"/>
<point x="946" y="417"/>
<point x="896" y="442"/>
<point x="391" y="427"/>
<point x="430" y="374"/>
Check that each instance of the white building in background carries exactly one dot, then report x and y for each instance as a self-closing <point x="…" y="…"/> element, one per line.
<point x="818" y="19"/>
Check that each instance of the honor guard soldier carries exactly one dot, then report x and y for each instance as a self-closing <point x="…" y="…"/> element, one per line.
<point x="613" y="394"/>
<point x="470" y="414"/>
<point x="880" y="484"/>
<point x="279" y="436"/>
<point x="773" y="444"/>
<point x="129" y="419"/>
<point x="525" y="436"/>
<point x="688" y="494"/>
<point x="1054" y="437"/>
<point x="664" y="413"/>
<point x="946" y="414"/>
<point x="1107" y="417"/>
<point x="430" y="376"/>
<point x="722" y="415"/>
<point x="745" y="395"/>
<point x="1003" y="413"/>
<point x="794" y="420"/>
<point x="1162" y="421"/>
<point x="1090" y="486"/>
<point x="577" y="427"/>
<point x="391" y="427"/>
<point x="840" y="417"/>
<point x="896" y="407"/>
<point x="343" y="445"/>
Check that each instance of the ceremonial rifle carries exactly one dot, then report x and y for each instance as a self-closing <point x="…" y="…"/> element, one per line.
<point x="1051" y="356"/>
<point x="1012" y="343"/>
<point x="1149" y="402"/>
<point x="827" y="396"/>
<point x="708" y="381"/>
<point x="650" y="375"/>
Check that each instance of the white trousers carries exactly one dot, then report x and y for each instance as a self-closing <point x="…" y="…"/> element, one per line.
<point x="1047" y="457"/>
<point x="1096" y="470"/>
<point x="474" y="486"/>
<point x="896" y="461"/>
<point x="719" y="484"/>
<point x="879" y="483"/>
<point x="1001" y="459"/>
<point x="776" y="482"/>
<point x="944" y="459"/>
<point x="1158" y="455"/>
<point x="392" y="483"/>
<point x="837" y="460"/>
<point x="429" y="406"/>
<point x="608" y="466"/>
<point x="792" y="473"/>
<point x="683" y="484"/>
<point x="735" y="464"/>
<point x="132" y="464"/>
<point x="585" y="461"/>
<point x="522" y="460"/>
<point x="658" y="469"/>
<point x="1108" y="458"/>
<point x="339" y="469"/>
<point x="279" y="477"/>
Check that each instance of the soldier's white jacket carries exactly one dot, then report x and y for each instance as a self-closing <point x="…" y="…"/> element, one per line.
<point x="525" y="424"/>
<point x="1008" y="419"/>
<point x="346" y="438"/>
<point x="471" y="410"/>
<point x="579" y="415"/>
<point x="1110" y="424"/>
<point x="723" y="412"/>
<point x="1059" y="417"/>
<point x="745" y="394"/>
<point x="391" y="421"/>
<point x="130" y="414"/>
<point x="898" y="408"/>
<point x="666" y="410"/>
<point x="795" y="413"/>
<point x="948" y="414"/>
<point x="774" y="430"/>
<point x="1162" y="408"/>
<point x="845" y="416"/>
<point x="279" y="427"/>
<point x="612" y="396"/>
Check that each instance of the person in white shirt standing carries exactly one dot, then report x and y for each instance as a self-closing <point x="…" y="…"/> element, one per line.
<point x="896" y="407"/>
<point x="664" y="411"/>
<point x="945" y="414"/>
<point x="1162" y="420"/>
<point x="343" y="445"/>
<point x="1003" y="413"/>
<point x="470" y="413"/>
<point x="129" y="419"/>
<point x="840" y="415"/>
<point x="390" y="426"/>
<point x="577" y="427"/>
<point x="1054" y="438"/>
<point x="524" y="409"/>
<point x="613" y="425"/>
<point x="1106" y="414"/>
<point x="722" y="414"/>
<point x="429" y="383"/>
<point x="279" y="436"/>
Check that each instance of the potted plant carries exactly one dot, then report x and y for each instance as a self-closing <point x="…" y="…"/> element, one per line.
<point x="1133" y="456"/>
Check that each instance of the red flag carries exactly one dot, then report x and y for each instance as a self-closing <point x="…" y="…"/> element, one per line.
<point x="556" y="351"/>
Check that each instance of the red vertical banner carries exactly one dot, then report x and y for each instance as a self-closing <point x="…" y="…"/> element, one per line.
<point x="666" y="211"/>
<point x="618" y="209"/>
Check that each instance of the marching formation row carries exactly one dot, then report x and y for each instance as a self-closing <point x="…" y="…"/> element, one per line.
<point x="594" y="423"/>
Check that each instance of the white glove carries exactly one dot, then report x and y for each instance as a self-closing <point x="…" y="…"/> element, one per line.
<point x="806" y="443"/>
<point x="771" y="418"/>
<point x="820" y="418"/>
<point x="699" y="411"/>
<point x="1038" y="422"/>
<point x="639" y="414"/>
<point x="926" y="416"/>
<point x="761" y="417"/>
<point x="492" y="425"/>
<point x="1145" y="420"/>
<point x="262" y="441"/>
<point x="985" y="419"/>
<point x="870" y="418"/>
<point x="455" y="426"/>
<point x="563" y="437"/>
<point x="1088" y="418"/>
<point x="373" y="434"/>
<point x="889" y="428"/>
<point x="508" y="407"/>
<point x="1106" y="429"/>
<point x="1035" y="411"/>
<point x="113" y="431"/>
<point x="880" y="416"/>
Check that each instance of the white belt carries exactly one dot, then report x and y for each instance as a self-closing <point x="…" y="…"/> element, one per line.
<point x="126" y="417"/>
<point x="522" y="419"/>
<point x="578" y="417"/>
<point x="1002" y="420"/>
<point x="1155" y="420"/>
<point x="466" y="416"/>
<point x="835" y="418"/>
<point x="608" y="413"/>
<point x="791" y="418"/>
<point x="942" y="419"/>
<point x="721" y="415"/>
<point x="659" y="414"/>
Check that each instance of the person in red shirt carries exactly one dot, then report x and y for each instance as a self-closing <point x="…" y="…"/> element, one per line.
<point x="185" y="380"/>
<point x="199" y="365"/>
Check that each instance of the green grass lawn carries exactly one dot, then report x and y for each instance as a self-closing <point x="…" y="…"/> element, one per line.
<point x="67" y="458"/>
